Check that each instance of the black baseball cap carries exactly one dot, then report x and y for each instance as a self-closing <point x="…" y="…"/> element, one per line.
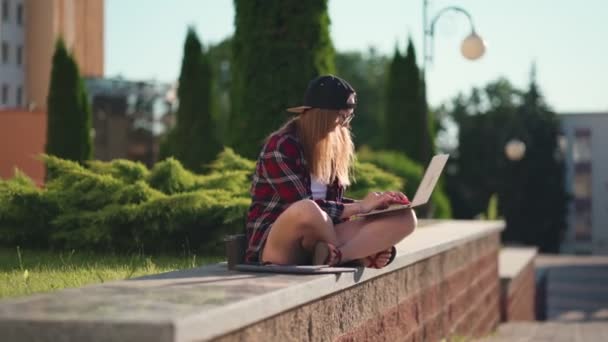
<point x="327" y="92"/>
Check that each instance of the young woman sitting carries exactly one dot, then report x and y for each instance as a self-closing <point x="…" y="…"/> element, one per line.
<point x="298" y="213"/>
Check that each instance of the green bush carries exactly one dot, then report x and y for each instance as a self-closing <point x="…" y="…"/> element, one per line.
<point x="411" y="174"/>
<point x="170" y="177"/>
<point x="125" y="170"/>
<point x="76" y="188"/>
<point x="25" y="212"/>
<point x="396" y="163"/>
<point x="121" y="206"/>
<point x="234" y="182"/>
<point x="229" y="160"/>
<point x="368" y="178"/>
<point x="441" y="202"/>
<point x="196" y="219"/>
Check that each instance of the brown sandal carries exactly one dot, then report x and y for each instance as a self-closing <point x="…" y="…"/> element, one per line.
<point x="372" y="260"/>
<point x="326" y="253"/>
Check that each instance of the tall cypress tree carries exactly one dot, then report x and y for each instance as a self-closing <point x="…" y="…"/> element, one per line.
<point x="407" y="124"/>
<point x="193" y="140"/>
<point x="396" y="122"/>
<point x="69" y="112"/>
<point x="278" y="47"/>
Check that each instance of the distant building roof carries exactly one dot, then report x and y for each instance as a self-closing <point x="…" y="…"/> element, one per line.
<point x="583" y="113"/>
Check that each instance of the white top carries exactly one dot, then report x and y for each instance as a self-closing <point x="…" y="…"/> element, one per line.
<point x="318" y="189"/>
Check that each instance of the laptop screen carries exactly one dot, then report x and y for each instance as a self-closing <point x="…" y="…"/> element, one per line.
<point x="429" y="180"/>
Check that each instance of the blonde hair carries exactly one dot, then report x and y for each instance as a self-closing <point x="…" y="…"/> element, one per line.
<point x="328" y="146"/>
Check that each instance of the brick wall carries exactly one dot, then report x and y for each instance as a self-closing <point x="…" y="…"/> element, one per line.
<point x="518" y="296"/>
<point x="22" y="140"/>
<point x="454" y="293"/>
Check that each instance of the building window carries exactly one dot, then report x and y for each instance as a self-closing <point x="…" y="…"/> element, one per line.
<point x="20" y="14"/>
<point x="4" y="52"/>
<point x="582" y="145"/>
<point x="19" y="96"/>
<point x="4" y="10"/>
<point x="19" y="55"/>
<point x="4" y="97"/>
<point x="583" y="184"/>
<point x="582" y="225"/>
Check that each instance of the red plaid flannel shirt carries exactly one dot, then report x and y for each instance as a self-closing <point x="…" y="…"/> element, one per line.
<point x="281" y="178"/>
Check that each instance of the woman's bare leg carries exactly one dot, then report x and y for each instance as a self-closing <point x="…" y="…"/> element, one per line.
<point x="361" y="238"/>
<point x="294" y="234"/>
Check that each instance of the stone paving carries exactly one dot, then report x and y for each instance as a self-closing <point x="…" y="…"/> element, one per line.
<point x="577" y="287"/>
<point x="551" y="331"/>
<point x="576" y="302"/>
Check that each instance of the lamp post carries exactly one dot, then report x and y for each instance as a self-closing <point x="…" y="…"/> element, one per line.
<point x="472" y="48"/>
<point x="515" y="149"/>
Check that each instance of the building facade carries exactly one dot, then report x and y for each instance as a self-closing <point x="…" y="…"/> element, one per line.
<point x="12" y="47"/>
<point x="28" y="32"/>
<point x="585" y="137"/>
<point x="129" y="117"/>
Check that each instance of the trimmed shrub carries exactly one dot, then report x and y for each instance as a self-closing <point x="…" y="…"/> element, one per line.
<point x="234" y="182"/>
<point x="121" y="206"/>
<point x="170" y="177"/>
<point x="25" y="212"/>
<point x="125" y="170"/>
<point x="368" y="178"/>
<point x="229" y="160"/>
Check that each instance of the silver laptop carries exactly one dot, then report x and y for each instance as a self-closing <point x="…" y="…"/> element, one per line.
<point x="425" y="189"/>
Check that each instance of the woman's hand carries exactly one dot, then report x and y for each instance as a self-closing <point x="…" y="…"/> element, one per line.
<point x="398" y="197"/>
<point x="381" y="200"/>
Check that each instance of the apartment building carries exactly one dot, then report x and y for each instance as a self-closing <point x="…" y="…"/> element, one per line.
<point x="28" y="31"/>
<point x="585" y="140"/>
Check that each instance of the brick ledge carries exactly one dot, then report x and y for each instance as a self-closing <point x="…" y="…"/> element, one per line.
<point x="206" y="302"/>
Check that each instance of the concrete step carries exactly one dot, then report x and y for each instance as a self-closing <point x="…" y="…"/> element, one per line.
<point x="550" y="331"/>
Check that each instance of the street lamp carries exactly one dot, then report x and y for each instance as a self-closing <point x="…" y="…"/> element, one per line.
<point x="515" y="149"/>
<point x="472" y="48"/>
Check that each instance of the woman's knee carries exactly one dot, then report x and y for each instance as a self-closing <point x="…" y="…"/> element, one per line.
<point x="307" y="213"/>
<point x="406" y="221"/>
<point x="410" y="221"/>
<point x="312" y="222"/>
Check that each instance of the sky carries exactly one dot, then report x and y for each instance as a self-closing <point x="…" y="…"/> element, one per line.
<point x="567" y="39"/>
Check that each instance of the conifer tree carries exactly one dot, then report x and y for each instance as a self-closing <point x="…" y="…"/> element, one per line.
<point x="408" y="127"/>
<point x="534" y="200"/>
<point x="395" y="104"/>
<point x="278" y="47"/>
<point x="69" y="111"/>
<point x="193" y="140"/>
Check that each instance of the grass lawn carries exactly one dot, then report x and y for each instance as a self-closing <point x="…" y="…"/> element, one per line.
<point x="24" y="272"/>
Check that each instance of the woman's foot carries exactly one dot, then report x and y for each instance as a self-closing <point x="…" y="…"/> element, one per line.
<point x="380" y="259"/>
<point x="326" y="253"/>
